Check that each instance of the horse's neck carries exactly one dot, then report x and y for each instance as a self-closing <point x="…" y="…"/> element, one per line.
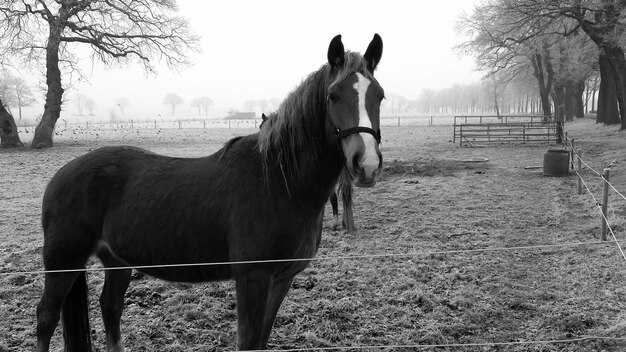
<point x="316" y="174"/>
<point x="324" y="171"/>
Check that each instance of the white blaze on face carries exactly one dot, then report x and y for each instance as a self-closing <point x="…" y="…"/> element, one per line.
<point x="369" y="161"/>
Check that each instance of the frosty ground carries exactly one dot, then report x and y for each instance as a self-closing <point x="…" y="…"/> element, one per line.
<point x="448" y="251"/>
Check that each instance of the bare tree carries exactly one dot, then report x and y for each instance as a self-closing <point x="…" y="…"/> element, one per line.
<point x="80" y="100"/>
<point x="90" y="105"/>
<point x="122" y="104"/>
<point x="603" y="23"/>
<point x="521" y="21"/>
<point x="506" y="46"/>
<point x="15" y="92"/>
<point x="173" y="100"/>
<point x="23" y="94"/>
<point x="7" y="95"/>
<point x="202" y="103"/>
<point x="116" y="31"/>
<point x="195" y="103"/>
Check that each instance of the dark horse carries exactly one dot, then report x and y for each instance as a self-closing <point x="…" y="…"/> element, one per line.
<point x="260" y="199"/>
<point x="344" y="187"/>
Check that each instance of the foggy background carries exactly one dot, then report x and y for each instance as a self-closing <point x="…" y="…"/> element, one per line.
<point x="255" y="51"/>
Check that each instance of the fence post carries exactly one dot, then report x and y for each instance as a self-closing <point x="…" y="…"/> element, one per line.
<point x="398" y="120"/>
<point x="580" y="179"/>
<point x="605" y="200"/>
<point x="572" y="154"/>
<point x="132" y="124"/>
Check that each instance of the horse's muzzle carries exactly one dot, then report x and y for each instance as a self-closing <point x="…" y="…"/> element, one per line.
<point x="365" y="168"/>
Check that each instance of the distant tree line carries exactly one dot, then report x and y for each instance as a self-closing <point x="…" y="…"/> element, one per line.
<point x="85" y="105"/>
<point x="485" y="97"/>
<point x="568" y="48"/>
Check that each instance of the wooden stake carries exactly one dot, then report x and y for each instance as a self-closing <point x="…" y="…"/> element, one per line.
<point x="580" y="179"/>
<point x="605" y="201"/>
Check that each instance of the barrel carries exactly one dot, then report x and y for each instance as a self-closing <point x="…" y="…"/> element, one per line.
<point x="556" y="162"/>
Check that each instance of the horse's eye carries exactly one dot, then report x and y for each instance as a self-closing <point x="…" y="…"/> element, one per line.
<point x="332" y="98"/>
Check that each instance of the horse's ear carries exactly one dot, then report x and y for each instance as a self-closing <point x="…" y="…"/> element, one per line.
<point x="263" y="116"/>
<point x="374" y="52"/>
<point x="336" y="52"/>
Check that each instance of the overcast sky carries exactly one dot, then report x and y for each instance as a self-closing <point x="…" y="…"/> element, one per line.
<point x="263" y="49"/>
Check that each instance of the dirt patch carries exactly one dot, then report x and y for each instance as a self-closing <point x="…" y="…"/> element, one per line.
<point x="430" y="202"/>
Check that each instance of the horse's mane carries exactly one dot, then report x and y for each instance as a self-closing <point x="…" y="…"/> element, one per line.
<point x="300" y="118"/>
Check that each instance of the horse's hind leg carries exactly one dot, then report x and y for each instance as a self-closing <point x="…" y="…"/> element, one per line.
<point x="335" y="205"/>
<point x="116" y="283"/>
<point x="112" y="304"/>
<point x="56" y="287"/>
<point x="64" y="291"/>
<point x="346" y="198"/>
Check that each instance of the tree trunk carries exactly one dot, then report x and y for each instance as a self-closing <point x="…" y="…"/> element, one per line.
<point x="54" y="96"/>
<point x="558" y="96"/>
<point x="495" y="99"/>
<point x="544" y="81"/>
<point x="607" y="95"/>
<point x="617" y="62"/>
<point x="577" y="97"/>
<point x="9" y="137"/>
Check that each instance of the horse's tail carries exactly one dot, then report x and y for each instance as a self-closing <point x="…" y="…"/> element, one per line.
<point x="75" y="316"/>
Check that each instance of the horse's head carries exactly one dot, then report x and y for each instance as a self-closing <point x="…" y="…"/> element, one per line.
<point x="353" y="104"/>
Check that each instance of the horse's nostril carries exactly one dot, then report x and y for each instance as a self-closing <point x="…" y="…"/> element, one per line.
<point x="355" y="161"/>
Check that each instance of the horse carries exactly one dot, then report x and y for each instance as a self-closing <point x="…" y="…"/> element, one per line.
<point x="255" y="207"/>
<point x="344" y="187"/>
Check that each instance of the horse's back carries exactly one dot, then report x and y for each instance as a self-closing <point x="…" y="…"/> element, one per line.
<point x="151" y="209"/>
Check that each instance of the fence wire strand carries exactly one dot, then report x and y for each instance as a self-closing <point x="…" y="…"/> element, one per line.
<point x="485" y="344"/>
<point x="599" y="207"/>
<point x="395" y="255"/>
<point x="347" y="257"/>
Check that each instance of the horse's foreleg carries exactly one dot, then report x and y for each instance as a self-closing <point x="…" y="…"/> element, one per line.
<point x="253" y="289"/>
<point x="112" y="304"/>
<point x="56" y="288"/>
<point x="279" y="290"/>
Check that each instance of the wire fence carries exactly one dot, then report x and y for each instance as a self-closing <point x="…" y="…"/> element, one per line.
<point x="347" y="257"/>
<point x="579" y="172"/>
<point x="213" y="123"/>
<point x="599" y="205"/>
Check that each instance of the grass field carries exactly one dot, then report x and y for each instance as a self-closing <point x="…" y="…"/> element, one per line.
<point x="432" y="209"/>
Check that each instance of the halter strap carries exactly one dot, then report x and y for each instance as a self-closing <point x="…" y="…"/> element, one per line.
<point x="348" y="131"/>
